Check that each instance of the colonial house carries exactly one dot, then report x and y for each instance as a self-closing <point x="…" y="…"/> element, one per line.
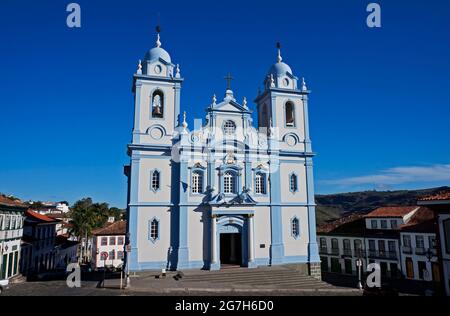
<point x="11" y="230"/>
<point x="38" y="253"/>
<point x="418" y="247"/>
<point x="400" y="239"/>
<point x="440" y="204"/>
<point x="109" y="245"/>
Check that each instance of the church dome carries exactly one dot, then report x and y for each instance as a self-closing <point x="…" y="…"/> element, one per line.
<point x="157" y="53"/>
<point x="280" y="69"/>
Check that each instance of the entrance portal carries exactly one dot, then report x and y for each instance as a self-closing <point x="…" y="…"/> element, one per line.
<point x="231" y="249"/>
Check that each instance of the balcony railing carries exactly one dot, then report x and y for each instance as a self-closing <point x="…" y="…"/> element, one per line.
<point x="360" y="253"/>
<point x="420" y="251"/>
<point x="406" y="249"/>
<point x="347" y="252"/>
<point x="334" y="251"/>
<point x="382" y="254"/>
<point x="323" y="250"/>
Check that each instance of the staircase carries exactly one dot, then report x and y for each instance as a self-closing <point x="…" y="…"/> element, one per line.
<point x="270" y="278"/>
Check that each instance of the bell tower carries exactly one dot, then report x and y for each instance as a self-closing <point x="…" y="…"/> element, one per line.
<point x="157" y="88"/>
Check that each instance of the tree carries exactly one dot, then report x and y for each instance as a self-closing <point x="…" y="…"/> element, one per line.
<point x="87" y="216"/>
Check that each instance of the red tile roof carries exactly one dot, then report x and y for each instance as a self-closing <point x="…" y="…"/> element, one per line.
<point x="40" y="218"/>
<point x="441" y="196"/>
<point x="117" y="228"/>
<point x="11" y="202"/>
<point x="348" y="224"/>
<point x="392" y="211"/>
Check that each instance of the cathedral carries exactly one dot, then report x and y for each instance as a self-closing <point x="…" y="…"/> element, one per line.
<point x="228" y="192"/>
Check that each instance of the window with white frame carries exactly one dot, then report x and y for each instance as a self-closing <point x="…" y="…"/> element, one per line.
<point x="154" y="230"/>
<point x="383" y="224"/>
<point x="6" y="222"/>
<point x="229" y="128"/>
<point x="120" y="241"/>
<point x="1" y="221"/>
<point x="293" y="185"/>
<point x="295" y="227"/>
<point x="394" y="224"/>
<point x="374" y="224"/>
<point x="229" y="183"/>
<point x="112" y="255"/>
<point x="104" y="241"/>
<point x="420" y="242"/>
<point x="156" y="180"/>
<point x="112" y="241"/>
<point x="197" y="182"/>
<point x="260" y="183"/>
<point x="120" y="255"/>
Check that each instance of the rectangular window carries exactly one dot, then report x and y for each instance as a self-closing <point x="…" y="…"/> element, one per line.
<point x="381" y="246"/>
<point x="260" y="183"/>
<point x="422" y="265"/>
<point x="383" y="224"/>
<point x="120" y="241"/>
<point x="406" y="241"/>
<point x="391" y="246"/>
<point x="229" y="183"/>
<point x="112" y="255"/>
<point x="197" y="182"/>
<point x="120" y="255"/>
<point x="420" y="242"/>
<point x="372" y="245"/>
<point x="104" y="241"/>
<point x="394" y="224"/>
<point x="323" y="243"/>
<point x="112" y="241"/>
<point x="374" y="224"/>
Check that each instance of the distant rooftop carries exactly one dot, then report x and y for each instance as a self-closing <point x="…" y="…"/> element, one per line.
<point x="111" y="229"/>
<point x="392" y="211"/>
<point x="441" y="196"/>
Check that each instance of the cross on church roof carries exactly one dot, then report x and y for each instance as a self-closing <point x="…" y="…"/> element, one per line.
<point x="228" y="78"/>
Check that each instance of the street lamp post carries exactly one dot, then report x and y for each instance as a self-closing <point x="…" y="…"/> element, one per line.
<point x="359" y="264"/>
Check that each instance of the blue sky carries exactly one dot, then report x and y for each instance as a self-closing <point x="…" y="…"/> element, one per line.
<point x="379" y="111"/>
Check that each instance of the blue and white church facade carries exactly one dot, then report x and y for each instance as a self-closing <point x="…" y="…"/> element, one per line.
<point x="227" y="192"/>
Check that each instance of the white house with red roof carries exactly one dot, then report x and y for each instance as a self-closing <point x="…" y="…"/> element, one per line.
<point x="38" y="251"/>
<point x="109" y="245"/>
<point x="11" y="230"/>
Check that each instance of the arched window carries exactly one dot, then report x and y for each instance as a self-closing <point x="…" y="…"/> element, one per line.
<point x="290" y="114"/>
<point x="154" y="230"/>
<point x="156" y="181"/>
<point x="157" y="104"/>
<point x="229" y="128"/>
<point x="229" y="183"/>
<point x="197" y="182"/>
<point x="260" y="183"/>
<point x="295" y="227"/>
<point x="293" y="186"/>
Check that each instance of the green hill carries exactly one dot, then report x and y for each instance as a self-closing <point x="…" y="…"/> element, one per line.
<point x="334" y="206"/>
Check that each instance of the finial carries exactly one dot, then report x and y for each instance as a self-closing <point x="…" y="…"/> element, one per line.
<point x="280" y="59"/>
<point x="158" y="38"/>
<point x="184" y="124"/>
<point x="177" y="74"/>
<point x="304" y="88"/>
<point x="244" y="102"/>
<point x="214" y="99"/>
<point x="139" y="70"/>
